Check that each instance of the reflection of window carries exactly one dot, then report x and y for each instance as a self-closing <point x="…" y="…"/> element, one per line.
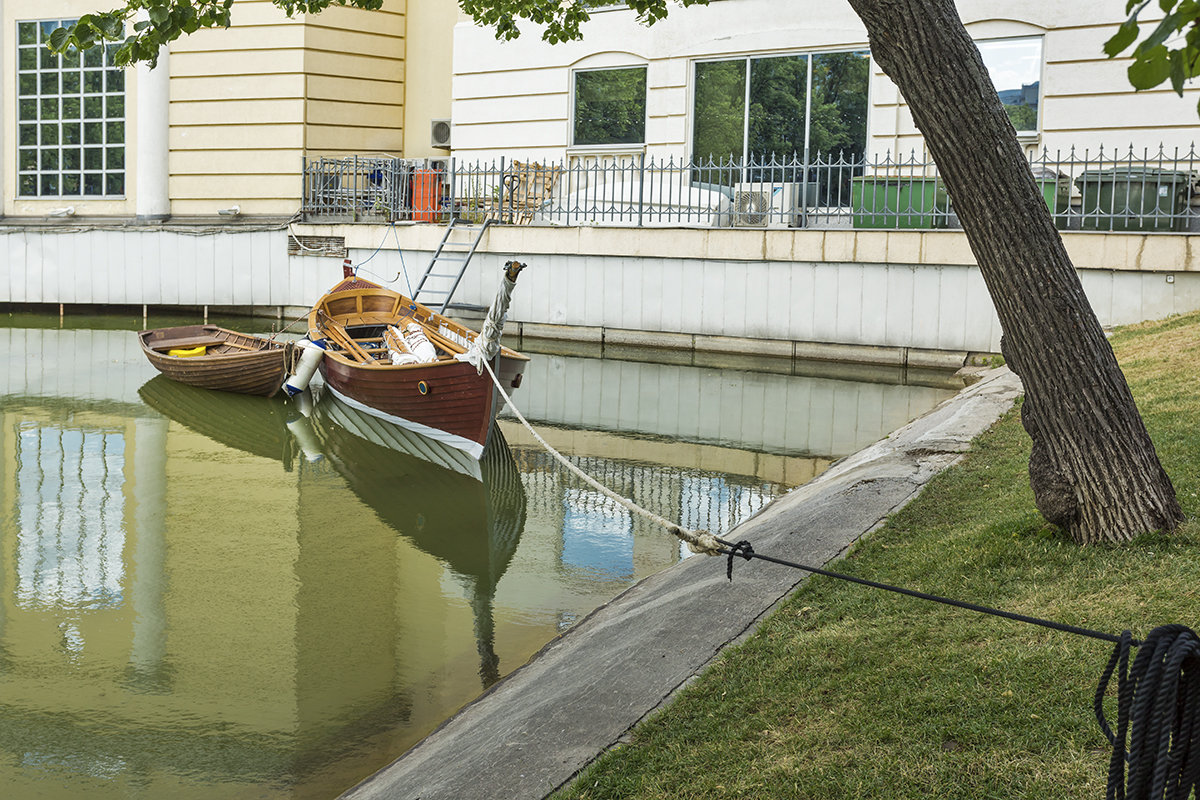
<point x="756" y="108"/>
<point x="1016" y="69"/>
<point x="71" y="118"/>
<point x="71" y="534"/>
<point x="597" y="535"/>
<point x="610" y="106"/>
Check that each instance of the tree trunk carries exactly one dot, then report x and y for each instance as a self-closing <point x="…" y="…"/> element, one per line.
<point x="1093" y="468"/>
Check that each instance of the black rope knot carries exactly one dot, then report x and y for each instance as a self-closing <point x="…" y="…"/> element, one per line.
<point x="742" y="549"/>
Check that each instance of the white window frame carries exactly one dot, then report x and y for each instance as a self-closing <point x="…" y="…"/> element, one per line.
<point x="111" y="126"/>
<point x="620" y="147"/>
<point x="984" y="44"/>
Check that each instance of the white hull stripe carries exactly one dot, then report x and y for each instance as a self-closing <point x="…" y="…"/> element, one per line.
<point x="472" y="448"/>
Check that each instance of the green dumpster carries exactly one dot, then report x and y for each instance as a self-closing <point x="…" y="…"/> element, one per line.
<point x="1056" y="188"/>
<point x="1134" y="199"/>
<point x="899" y="203"/>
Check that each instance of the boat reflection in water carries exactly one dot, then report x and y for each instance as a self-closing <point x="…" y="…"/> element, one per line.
<point x="467" y="514"/>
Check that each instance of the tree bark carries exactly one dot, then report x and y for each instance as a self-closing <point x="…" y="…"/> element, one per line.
<point x="1093" y="468"/>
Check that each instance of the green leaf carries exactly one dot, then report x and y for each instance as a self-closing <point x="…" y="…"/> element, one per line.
<point x="1125" y="36"/>
<point x="1168" y="26"/>
<point x="1150" y="69"/>
<point x="159" y="14"/>
<point x="1178" y="68"/>
<point x="58" y="39"/>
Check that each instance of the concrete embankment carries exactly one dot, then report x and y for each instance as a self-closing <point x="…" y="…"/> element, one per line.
<point x="579" y="696"/>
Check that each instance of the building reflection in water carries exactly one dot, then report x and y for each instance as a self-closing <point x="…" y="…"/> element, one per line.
<point x="211" y="595"/>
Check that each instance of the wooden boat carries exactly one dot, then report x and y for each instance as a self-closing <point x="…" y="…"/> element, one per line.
<point x="447" y="399"/>
<point x="212" y="357"/>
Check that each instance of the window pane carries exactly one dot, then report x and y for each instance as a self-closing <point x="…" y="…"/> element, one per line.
<point x="27" y="33"/>
<point x="93" y="158"/>
<point x="70" y="108"/>
<point x="719" y="116"/>
<point x="49" y="184"/>
<point x="70" y="59"/>
<point x="28" y="160"/>
<point x="27" y="60"/>
<point x="47" y="28"/>
<point x="49" y="83"/>
<point x="93" y="107"/>
<point x="115" y="183"/>
<point x="47" y="59"/>
<point x="28" y="109"/>
<point x="93" y="133"/>
<point x="49" y="108"/>
<point x="70" y="83"/>
<point x="839" y="104"/>
<point x="72" y="184"/>
<point x="72" y="133"/>
<point x="71" y="159"/>
<point x="27" y="85"/>
<point x="28" y="135"/>
<point x="116" y="80"/>
<point x="1016" y="69"/>
<point x="114" y="106"/>
<point x="49" y="133"/>
<point x="115" y="158"/>
<point x="93" y="57"/>
<point x="610" y="106"/>
<point x="93" y="81"/>
<point x="778" y="87"/>
<point x="115" y="133"/>
<point x="93" y="184"/>
<point x="50" y="160"/>
<point x="28" y="186"/>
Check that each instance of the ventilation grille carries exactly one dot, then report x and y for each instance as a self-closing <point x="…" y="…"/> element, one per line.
<point x="323" y="246"/>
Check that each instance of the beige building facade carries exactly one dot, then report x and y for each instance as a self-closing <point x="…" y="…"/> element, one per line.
<point x="226" y="119"/>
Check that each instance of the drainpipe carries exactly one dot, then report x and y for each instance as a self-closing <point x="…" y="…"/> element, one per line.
<point x="153" y="100"/>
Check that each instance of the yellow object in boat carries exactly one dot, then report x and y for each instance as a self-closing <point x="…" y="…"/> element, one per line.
<point x="187" y="352"/>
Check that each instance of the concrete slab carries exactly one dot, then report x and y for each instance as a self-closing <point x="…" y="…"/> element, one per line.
<point x="533" y="731"/>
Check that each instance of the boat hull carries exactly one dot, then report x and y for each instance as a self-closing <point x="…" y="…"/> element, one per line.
<point x="233" y="361"/>
<point x="448" y="402"/>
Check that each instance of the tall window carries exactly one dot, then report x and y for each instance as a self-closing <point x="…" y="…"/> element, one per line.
<point x="70" y="119"/>
<point x="751" y="109"/>
<point x="1016" y="69"/>
<point x="610" y="106"/>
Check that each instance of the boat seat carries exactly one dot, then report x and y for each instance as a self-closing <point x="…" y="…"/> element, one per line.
<point x="185" y="343"/>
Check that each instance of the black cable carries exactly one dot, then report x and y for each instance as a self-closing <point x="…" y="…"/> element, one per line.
<point x="1158" y="698"/>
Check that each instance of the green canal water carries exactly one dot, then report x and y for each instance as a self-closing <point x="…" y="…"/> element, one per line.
<point x="213" y="596"/>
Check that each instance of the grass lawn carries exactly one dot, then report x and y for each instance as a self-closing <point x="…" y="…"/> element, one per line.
<point x="850" y="692"/>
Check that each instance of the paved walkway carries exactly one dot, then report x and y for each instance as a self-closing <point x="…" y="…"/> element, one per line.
<point x="534" y="730"/>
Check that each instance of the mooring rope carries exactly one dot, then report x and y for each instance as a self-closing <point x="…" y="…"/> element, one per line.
<point x="1158" y="699"/>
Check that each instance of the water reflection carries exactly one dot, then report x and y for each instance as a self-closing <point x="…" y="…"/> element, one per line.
<point x="211" y="595"/>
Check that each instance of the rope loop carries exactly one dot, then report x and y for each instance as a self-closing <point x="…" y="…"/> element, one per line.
<point x="1158" y="716"/>
<point x="743" y="549"/>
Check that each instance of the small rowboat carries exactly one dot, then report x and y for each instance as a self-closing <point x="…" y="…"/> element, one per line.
<point x="212" y="357"/>
<point x="443" y="395"/>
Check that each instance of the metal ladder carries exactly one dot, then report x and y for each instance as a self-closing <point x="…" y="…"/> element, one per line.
<point x="446" y="268"/>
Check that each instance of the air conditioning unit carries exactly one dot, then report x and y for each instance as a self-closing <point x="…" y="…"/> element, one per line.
<point x="441" y="165"/>
<point x="439" y="134"/>
<point x="766" y="205"/>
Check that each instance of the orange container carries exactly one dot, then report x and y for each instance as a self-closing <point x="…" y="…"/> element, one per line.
<point x="426" y="195"/>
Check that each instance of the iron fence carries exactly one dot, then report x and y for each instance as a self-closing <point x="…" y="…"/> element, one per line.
<point x="1128" y="190"/>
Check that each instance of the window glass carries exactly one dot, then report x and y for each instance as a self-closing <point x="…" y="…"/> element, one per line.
<point x="610" y="106"/>
<point x="53" y="88"/>
<point x="782" y="120"/>
<point x="778" y="90"/>
<point x="1016" y="69"/>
